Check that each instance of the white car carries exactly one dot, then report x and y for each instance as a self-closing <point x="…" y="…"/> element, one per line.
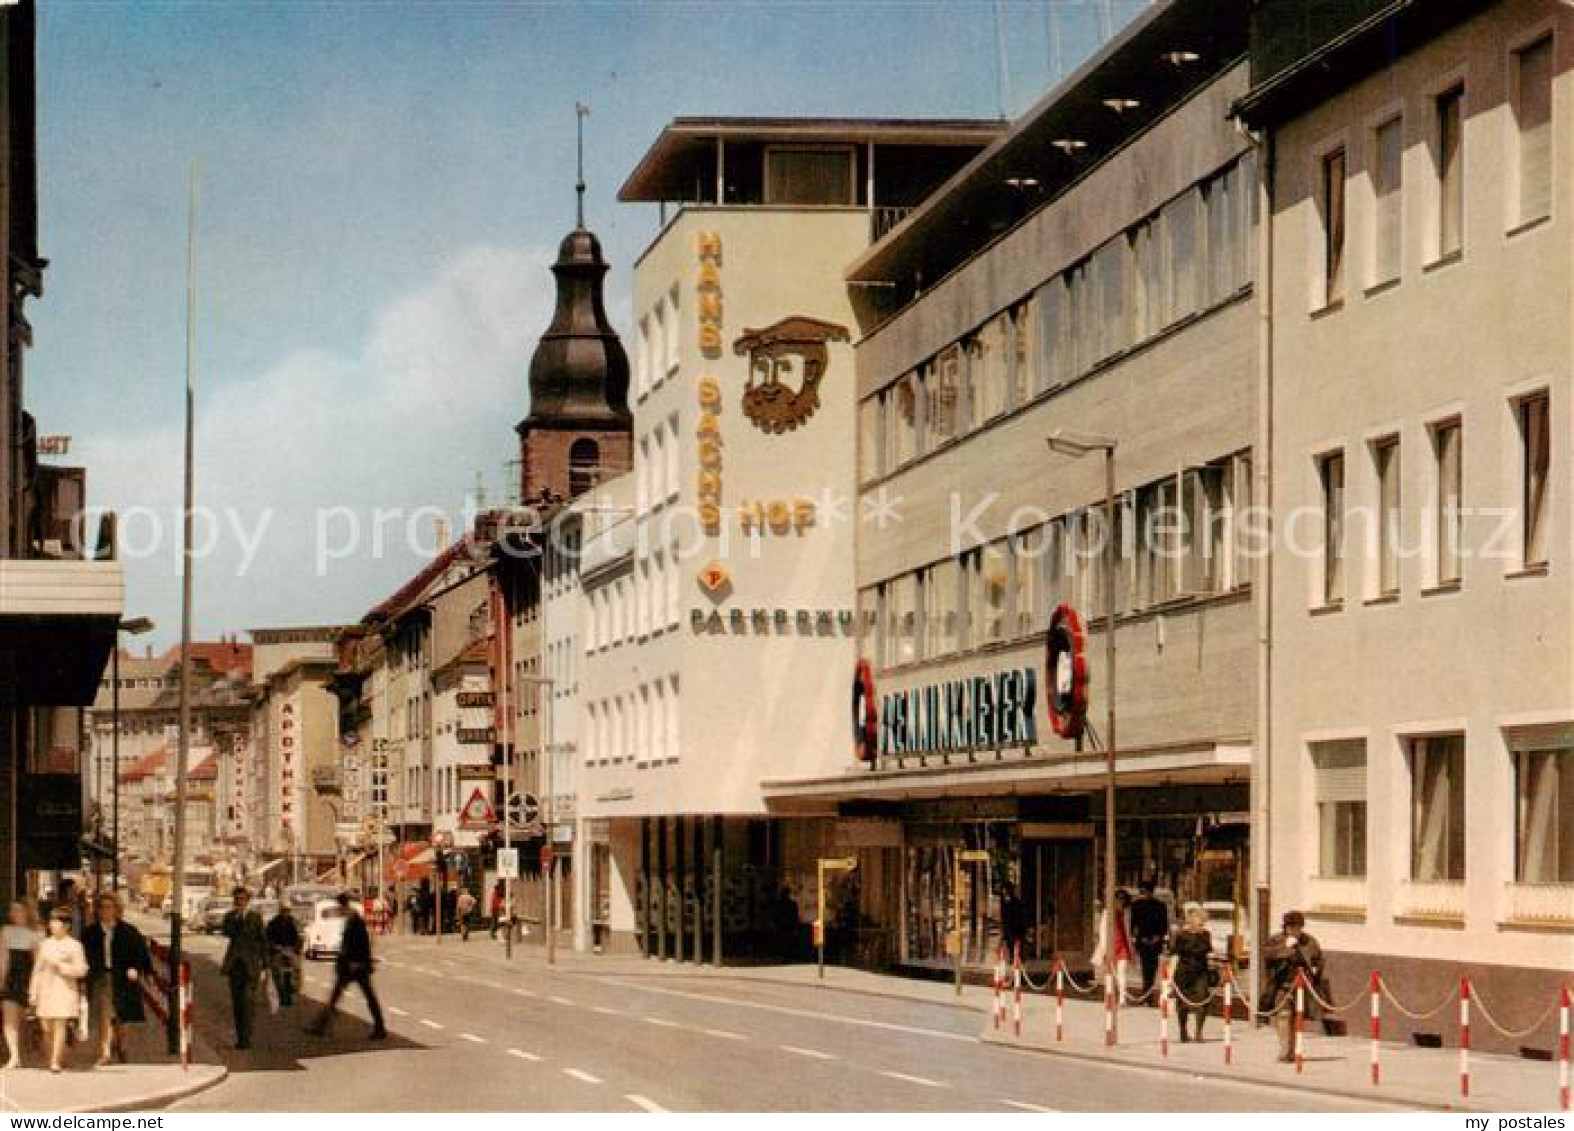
<point x="325" y="931"/>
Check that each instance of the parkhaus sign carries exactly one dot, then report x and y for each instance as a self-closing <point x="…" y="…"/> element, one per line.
<point x="981" y="711"/>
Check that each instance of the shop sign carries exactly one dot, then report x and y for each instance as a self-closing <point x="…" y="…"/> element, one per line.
<point x="982" y="711"/>
<point x="771" y="622"/>
<point x="707" y="436"/>
<point x="476" y="736"/>
<point x="708" y="288"/>
<point x="474" y="699"/>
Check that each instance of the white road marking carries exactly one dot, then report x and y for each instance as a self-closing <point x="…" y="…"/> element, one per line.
<point x="922" y="1081"/>
<point x="578" y="1074"/>
<point x="524" y="993"/>
<point x="430" y="1024"/>
<point x="662" y="1021"/>
<point x="814" y="1054"/>
<point x="1030" y="1107"/>
<point x="725" y="1034"/>
<point x="605" y="1009"/>
<point x="397" y="1012"/>
<point x="523" y="1055"/>
<point x="472" y="1038"/>
<point x="646" y="1105"/>
<point x="861" y="1022"/>
<point x="555" y="1000"/>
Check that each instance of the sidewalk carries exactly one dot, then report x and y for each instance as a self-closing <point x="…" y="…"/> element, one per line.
<point x="152" y="1081"/>
<point x="1411" y="1076"/>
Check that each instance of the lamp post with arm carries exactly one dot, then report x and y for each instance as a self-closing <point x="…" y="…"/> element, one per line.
<point x="1078" y="445"/>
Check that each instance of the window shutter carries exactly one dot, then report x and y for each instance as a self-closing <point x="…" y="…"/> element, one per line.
<point x="1340" y="769"/>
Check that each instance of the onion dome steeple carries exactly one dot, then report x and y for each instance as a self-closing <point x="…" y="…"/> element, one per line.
<point x="579" y="376"/>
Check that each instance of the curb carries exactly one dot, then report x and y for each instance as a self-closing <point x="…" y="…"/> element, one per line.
<point x="1391" y="1100"/>
<point x="153" y="1100"/>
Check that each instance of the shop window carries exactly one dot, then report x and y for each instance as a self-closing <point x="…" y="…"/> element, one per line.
<point x="1339" y="770"/>
<point x="1437" y="808"/>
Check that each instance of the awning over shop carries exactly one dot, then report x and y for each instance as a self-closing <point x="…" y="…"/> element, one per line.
<point x="1008" y="774"/>
<point x="409" y="863"/>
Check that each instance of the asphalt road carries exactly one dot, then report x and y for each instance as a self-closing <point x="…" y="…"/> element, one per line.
<point x="470" y="1034"/>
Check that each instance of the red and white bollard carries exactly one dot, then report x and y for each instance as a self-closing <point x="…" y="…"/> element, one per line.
<point x="1060" y="1005"/>
<point x="1464" y="1036"/>
<point x="1164" y="1008"/>
<point x="1563" y="1049"/>
<point x="1377" y="1026"/>
<point x="1109" y="1006"/>
<point x="1016" y="991"/>
<point x="185" y="1015"/>
<point x="1300" y="1021"/>
<point x="999" y="1009"/>
<point x="1229" y="1012"/>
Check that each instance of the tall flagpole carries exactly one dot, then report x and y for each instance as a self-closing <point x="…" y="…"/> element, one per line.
<point x="179" y="867"/>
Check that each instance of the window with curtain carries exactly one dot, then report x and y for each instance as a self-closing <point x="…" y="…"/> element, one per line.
<point x="1533" y="119"/>
<point x="1447" y="442"/>
<point x="990" y="368"/>
<point x="1544" y="804"/>
<point x="901" y="606"/>
<point x="1339" y="790"/>
<point x="1535" y="462"/>
<point x="1333" y="217"/>
<point x="1148" y="278"/>
<point x="943" y="390"/>
<point x="1183" y="289"/>
<point x="942" y="616"/>
<point x="810" y="176"/>
<point x="1437" y="808"/>
<point x="869" y="464"/>
<point x="1111" y="303"/>
<point x="1388" y="148"/>
<point x="902" y="418"/>
<point x="1027" y="576"/>
<point x="1386" y="468"/>
<point x="1330" y="474"/>
<point x="1024" y="381"/>
<point x="1449" y="158"/>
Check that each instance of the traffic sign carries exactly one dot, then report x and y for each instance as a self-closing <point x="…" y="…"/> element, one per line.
<point x="508" y="863"/>
<point x="477" y="812"/>
<point x="523" y="809"/>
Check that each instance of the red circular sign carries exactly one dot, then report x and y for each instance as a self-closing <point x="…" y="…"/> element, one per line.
<point x="1067" y="675"/>
<point x="866" y="715"/>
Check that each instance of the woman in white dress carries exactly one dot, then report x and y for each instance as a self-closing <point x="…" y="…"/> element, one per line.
<point x="19" y="940"/>
<point x="56" y="992"/>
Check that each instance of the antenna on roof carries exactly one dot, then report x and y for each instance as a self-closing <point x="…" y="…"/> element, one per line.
<point x="1002" y="66"/>
<point x="581" y="112"/>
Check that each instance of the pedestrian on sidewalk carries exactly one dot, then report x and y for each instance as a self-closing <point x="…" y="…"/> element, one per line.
<point x="464" y="906"/>
<point x="245" y="962"/>
<point x="1150" y="927"/>
<point x="499" y="902"/>
<point x="55" y="991"/>
<point x="118" y="961"/>
<point x="1118" y="953"/>
<point x="19" y="940"/>
<point x="353" y="966"/>
<point x="1014" y="927"/>
<point x="285" y="945"/>
<point x="1292" y="951"/>
<point x="1193" y="949"/>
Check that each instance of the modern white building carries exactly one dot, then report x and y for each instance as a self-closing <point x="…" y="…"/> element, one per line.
<point x="1421" y="719"/>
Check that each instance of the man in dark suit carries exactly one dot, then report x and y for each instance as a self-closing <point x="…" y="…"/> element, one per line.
<point x="353" y="967"/>
<point x="117" y="961"/>
<point x="245" y="962"/>
<point x="1150" y="929"/>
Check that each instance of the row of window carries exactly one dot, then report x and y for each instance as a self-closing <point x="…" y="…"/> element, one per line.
<point x="656" y="469"/>
<point x="1181" y="537"/>
<point x="1444" y="545"/>
<point x="1527" y="179"/>
<point x="660" y="333"/>
<point x="641" y="727"/>
<point x="644" y="601"/>
<point x="1436" y="767"/>
<point x="1193" y="254"/>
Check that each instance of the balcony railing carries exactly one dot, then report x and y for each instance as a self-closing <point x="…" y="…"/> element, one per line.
<point x="1337" y="894"/>
<point x="1540" y="904"/>
<point x="882" y="220"/>
<point x="1442" y="900"/>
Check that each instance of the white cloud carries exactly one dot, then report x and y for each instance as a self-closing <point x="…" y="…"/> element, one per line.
<point x="402" y="422"/>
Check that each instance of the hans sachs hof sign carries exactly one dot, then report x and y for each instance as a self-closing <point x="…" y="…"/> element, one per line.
<point x="981" y="712"/>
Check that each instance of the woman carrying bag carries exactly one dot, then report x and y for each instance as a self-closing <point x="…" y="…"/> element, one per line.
<point x="56" y="989"/>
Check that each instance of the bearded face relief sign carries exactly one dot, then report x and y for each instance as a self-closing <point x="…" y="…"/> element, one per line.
<point x="787" y="361"/>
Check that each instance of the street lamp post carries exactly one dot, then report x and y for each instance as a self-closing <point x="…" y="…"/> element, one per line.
<point x="544" y="685"/>
<point x="136" y="626"/>
<point x="1078" y="445"/>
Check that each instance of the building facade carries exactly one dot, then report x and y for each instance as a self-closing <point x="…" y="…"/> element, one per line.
<point x="1421" y="734"/>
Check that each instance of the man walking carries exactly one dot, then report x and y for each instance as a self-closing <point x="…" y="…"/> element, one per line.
<point x="284" y="938"/>
<point x="353" y="966"/>
<point x="117" y="961"/>
<point x="1150" y="926"/>
<point x="245" y="962"/>
<point x="1292" y="951"/>
<point x="463" y="908"/>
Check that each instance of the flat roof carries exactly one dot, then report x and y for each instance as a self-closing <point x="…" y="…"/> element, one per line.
<point x="1159" y="59"/>
<point x="657" y="176"/>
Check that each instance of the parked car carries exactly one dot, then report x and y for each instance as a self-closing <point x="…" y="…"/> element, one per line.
<point x="210" y="916"/>
<point x="324" y="931"/>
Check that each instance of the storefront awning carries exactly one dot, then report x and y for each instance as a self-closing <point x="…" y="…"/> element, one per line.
<point x="984" y="774"/>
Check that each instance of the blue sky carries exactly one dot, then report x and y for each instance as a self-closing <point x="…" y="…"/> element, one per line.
<point x="382" y="188"/>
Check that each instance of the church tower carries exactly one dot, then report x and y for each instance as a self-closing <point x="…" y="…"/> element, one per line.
<point x="579" y="431"/>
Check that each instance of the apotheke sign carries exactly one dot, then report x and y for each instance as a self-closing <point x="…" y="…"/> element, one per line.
<point x="964" y="714"/>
